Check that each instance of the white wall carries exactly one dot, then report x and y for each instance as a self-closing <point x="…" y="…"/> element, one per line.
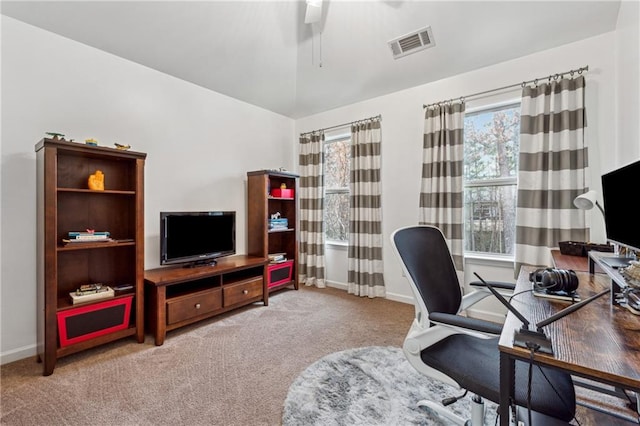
<point x="402" y="129"/>
<point x="627" y="50"/>
<point x="200" y="144"/>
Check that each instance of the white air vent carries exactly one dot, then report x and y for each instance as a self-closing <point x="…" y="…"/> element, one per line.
<point x="412" y="43"/>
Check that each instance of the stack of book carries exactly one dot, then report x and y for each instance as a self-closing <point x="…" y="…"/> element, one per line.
<point x="277" y="257"/>
<point x="278" y="224"/>
<point x="88" y="237"/>
<point x="91" y="292"/>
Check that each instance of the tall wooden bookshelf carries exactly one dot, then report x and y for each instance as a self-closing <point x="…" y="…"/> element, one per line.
<point x="65" y="204"/>
<point x="264" y="200"/>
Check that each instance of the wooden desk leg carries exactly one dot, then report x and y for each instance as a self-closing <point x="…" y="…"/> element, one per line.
<point x="507" y="385"/>
<point x="161" y="315"/>
<point x="592" y="266"/>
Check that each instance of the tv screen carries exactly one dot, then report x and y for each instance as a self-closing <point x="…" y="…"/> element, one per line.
<point x="619" y="188"/>
<point x="196" y="237"/>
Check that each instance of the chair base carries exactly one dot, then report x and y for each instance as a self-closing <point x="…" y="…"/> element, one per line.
<point x="477" y="412"/>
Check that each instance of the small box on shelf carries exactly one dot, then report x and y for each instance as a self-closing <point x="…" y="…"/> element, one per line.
<point x="83" y="296"/>
<point x="282" y="193"/>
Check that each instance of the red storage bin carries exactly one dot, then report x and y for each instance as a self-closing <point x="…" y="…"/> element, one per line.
<point x="88" y="321"/>
<point x="282" y="193"/>
<point x="279" y="273"/>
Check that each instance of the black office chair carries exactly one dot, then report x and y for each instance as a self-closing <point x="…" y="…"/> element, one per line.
<point x="463" y="351"/>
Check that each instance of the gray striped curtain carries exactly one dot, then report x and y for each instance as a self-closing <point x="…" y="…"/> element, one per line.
<point x="552" y="170"/>
<point x="441" y="194"/>
<point x="311" y="249"/>
<point x="365" y="276"/>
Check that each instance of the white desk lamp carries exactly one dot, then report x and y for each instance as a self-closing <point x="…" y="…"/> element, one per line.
<point x="587" y="200"/>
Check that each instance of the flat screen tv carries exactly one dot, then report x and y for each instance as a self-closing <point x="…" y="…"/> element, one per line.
<point x="196" y="238"/>
<point x="619" y="188"/>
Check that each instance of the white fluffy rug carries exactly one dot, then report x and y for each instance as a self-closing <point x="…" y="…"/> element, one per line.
<point x="368" y="386"/>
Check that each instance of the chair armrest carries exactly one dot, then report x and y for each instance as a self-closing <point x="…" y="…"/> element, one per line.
<point x="496" y="284"/>
<point x="466" y="323"/>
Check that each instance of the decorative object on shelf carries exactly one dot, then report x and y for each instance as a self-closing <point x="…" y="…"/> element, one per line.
<point x="278" y="222"/>
<point x="96" y="181"/>
<point x="122" y="147"/>
<point x="91" y="141"/>
<point x="55" y="136"/>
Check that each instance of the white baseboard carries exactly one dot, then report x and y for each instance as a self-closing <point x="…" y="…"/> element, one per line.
<point x="391" y="296"/>
<point x="335" y="284"/>
<point x="18" y="354"/>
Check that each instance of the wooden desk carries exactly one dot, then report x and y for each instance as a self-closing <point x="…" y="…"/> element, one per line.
<point x="565" y="261"/>
<point x="577" y="263"/>
<point x="600" y="342"/>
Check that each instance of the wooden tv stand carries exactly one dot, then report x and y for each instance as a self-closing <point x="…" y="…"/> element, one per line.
<point x="177" y="296"/>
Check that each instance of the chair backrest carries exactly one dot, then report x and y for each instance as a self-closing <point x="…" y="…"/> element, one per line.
<point x="427" y="262"/>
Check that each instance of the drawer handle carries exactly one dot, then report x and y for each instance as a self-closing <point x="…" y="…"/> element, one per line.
<point x="197" y="306"/>
<point x="245" y="291"/>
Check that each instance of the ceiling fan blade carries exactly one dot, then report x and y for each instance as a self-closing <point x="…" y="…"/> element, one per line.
<point x="314" y="11"/>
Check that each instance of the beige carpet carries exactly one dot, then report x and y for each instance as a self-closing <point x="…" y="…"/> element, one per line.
<point x="230" y="370"/>
<point x="235" y="369"/>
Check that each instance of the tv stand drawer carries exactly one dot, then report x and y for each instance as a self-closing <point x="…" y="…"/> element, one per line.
<point x="243" y="291"/>
<point x="192" y="305"/>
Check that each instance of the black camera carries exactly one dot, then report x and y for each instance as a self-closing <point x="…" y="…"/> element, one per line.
<point x="554" y="280"/>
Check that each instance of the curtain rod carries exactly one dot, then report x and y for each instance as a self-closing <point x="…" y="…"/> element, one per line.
<point x="378" y="117"/>
<point x="524" y="83"/>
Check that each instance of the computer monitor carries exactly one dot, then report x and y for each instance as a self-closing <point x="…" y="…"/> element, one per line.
<point x="619" y="187"/>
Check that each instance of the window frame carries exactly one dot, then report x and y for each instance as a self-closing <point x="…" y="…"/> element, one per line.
<point x="340" y="136"/>
<point x="491" y="182"/>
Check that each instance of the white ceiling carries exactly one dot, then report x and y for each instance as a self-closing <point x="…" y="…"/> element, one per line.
<point x="263" y="53"/>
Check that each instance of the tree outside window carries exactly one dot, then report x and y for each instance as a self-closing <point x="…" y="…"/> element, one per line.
<point x="337" y="159"/>
<point x="491" y="149"/>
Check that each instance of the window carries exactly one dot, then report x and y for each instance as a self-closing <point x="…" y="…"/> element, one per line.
<point x="491" y="148"/>
<point x="337" y="159"/>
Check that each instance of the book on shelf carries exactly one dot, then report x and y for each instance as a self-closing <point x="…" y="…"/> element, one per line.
<point x="94" y="234"/>
<point x="277" y="257"/>
<point x="122" y="287"/>
<point x="86" y="240"/>
<point x="82" y="296"/>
